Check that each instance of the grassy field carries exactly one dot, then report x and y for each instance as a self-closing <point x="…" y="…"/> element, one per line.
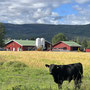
<point x="27" y="71"/>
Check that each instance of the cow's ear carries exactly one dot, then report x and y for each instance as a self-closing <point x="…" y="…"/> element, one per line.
<point x="46" y="65"/>
<point x="57" y="67"/>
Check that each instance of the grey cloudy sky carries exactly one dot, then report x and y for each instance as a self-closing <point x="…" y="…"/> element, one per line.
<point x="45" y="11"/>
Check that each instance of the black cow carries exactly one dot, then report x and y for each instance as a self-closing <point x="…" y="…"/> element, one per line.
<point x="67" y="72"/>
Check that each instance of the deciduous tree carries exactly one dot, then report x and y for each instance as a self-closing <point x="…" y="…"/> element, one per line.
<point x="58" y="37"/>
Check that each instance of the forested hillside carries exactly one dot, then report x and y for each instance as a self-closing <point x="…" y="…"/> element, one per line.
<point x="27" y="31"/>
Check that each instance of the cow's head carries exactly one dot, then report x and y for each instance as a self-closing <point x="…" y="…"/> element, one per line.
<point x="51" y="68"/>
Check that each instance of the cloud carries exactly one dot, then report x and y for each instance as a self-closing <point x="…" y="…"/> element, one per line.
<point x="30" y="11"/>
<point x="82" y="1"/>
<point x="41" y="11"/>
<point x="81" y="18"/>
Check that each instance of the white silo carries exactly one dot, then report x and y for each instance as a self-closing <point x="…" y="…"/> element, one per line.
<point x="38" y="42"/>
<point x="43" y="43"/>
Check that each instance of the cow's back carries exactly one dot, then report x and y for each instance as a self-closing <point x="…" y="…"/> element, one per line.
<point x="76" y="71"/>
<point x="69" y="72"/>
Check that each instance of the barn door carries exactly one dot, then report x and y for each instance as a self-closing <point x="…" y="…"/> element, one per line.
<point x="18" y="49"/>
<point x="13" y="49"/>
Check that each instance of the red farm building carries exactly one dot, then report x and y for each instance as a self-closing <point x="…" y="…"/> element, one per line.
<point x="66" y="46"/>
<point x="23" y="45"/>
<point x="87" y="50"/>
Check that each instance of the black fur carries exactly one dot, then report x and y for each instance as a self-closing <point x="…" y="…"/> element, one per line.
<point x="66" y="72"/>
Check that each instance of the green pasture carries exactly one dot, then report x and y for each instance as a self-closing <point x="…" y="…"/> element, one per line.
<point x="16" y="75"/>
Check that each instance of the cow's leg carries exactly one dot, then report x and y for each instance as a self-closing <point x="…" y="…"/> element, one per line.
<point x="60" y="85"/>
<point x="77" y="83"/>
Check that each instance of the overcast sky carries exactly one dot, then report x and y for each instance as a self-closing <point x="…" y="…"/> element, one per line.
<point x="45" y="11"/>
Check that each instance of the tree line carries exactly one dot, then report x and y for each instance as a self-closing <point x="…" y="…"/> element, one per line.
<point x="84" y="42"/>
<point x="56" y="38"/>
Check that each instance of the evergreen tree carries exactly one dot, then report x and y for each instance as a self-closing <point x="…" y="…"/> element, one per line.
<point x="84" y="43"/>
<point x="88" y="45"/>
<point x="32" y="38"/>
<point x="2" y="32"/>
<point x="78" y="40"/>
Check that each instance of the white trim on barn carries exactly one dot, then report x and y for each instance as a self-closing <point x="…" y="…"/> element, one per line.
<point x="14" y="41"/>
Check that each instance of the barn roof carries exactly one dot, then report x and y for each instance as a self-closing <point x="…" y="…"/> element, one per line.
<point x="71" y="43"/>
<point x="23" y="42"/>
<point x="26" y="42"/>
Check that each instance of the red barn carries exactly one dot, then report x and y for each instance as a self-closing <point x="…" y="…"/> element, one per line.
<point x="23" y="45"/>
<point x="87" y="50"/>
<point x="66" y="46"/>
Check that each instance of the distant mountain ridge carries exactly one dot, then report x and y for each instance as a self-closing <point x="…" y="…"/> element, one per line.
<point x="27" y="31"/>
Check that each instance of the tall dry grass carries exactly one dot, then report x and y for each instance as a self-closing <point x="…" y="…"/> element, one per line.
<point x="39" y="58"/>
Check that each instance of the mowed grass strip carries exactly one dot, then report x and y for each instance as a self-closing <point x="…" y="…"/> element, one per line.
<point x="36" y="76"/>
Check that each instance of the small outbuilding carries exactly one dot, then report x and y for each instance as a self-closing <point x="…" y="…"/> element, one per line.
<point x="87" y="50"/>
<point x="23" y="45"/>
<point x="66" y="46"/>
